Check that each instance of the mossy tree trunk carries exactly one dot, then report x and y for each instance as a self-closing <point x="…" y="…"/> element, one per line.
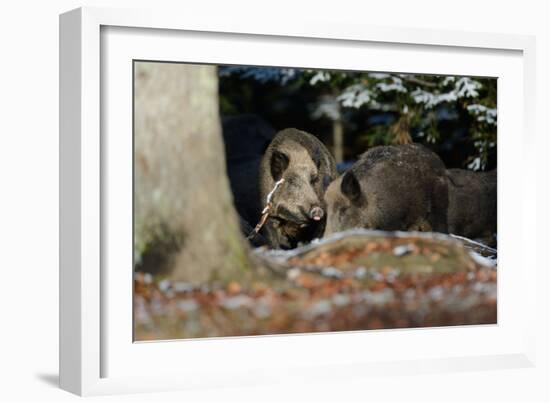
<point x="184" y="220"/>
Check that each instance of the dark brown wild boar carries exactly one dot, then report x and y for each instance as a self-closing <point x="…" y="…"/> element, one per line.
<point x="473" y="204"/>
<point x="390" y="188"/>
<point x="298" y="211"/>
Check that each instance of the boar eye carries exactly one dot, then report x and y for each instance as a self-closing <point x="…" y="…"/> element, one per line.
<point x="314" y="179"/>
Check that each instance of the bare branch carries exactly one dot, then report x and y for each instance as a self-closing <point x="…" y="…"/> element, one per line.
<point x="415" y="80"/>
<point x="265" y="211"/>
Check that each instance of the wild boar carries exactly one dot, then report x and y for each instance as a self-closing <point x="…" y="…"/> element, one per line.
<point x="297" y="214"/>
<point x="390" y="188"/>
<point x="472" y="209"/>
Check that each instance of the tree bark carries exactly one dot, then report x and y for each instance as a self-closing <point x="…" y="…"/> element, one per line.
<point x="184" y="218"/>
<point x="338" y="140"/>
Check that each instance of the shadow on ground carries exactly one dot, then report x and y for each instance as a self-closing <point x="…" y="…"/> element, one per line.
<point x="50" y="379"/>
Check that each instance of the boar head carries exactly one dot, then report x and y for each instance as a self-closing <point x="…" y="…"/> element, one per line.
<point x="297" y="199"/>
<point x="345" y="204"/>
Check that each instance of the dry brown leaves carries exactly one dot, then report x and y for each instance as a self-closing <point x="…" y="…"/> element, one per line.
<point x="331" y="290"/>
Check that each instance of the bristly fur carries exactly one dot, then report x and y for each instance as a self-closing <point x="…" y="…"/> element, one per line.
<point x="308" y="168"/>
<point x="400" y="187"/>
<point x="473" y="204"/>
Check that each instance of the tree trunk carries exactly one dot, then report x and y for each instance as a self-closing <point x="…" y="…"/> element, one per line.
<point x="338" y="140"/>
<point x="184" y="218"/>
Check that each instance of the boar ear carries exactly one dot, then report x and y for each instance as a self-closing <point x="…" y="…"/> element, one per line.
<point x="279" y="164"/>
<point x="350" y="188"/>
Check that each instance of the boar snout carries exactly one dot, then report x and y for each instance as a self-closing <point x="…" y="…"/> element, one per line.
<point x="316" y="213"/>
<point x="297" y="216"/>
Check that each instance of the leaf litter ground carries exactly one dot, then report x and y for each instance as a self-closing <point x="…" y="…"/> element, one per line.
<point x="357" y="281"/>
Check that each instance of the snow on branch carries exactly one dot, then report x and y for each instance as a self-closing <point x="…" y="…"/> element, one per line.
<point x="483" y="113"/>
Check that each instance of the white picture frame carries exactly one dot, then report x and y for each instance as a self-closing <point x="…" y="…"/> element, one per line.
<point x="97" y="357"/>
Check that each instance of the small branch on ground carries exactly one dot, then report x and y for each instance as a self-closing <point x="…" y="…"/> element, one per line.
<point x="266" y="210"/>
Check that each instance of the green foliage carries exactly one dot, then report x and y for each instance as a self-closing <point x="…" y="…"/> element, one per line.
<point x="394" y="108"/>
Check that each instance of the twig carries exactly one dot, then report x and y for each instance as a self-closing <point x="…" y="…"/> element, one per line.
<point x="415" y="80"/>
<point x="270" y="195"/>
<point x="472" y="242"/>
<point x="266" y="210"/>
